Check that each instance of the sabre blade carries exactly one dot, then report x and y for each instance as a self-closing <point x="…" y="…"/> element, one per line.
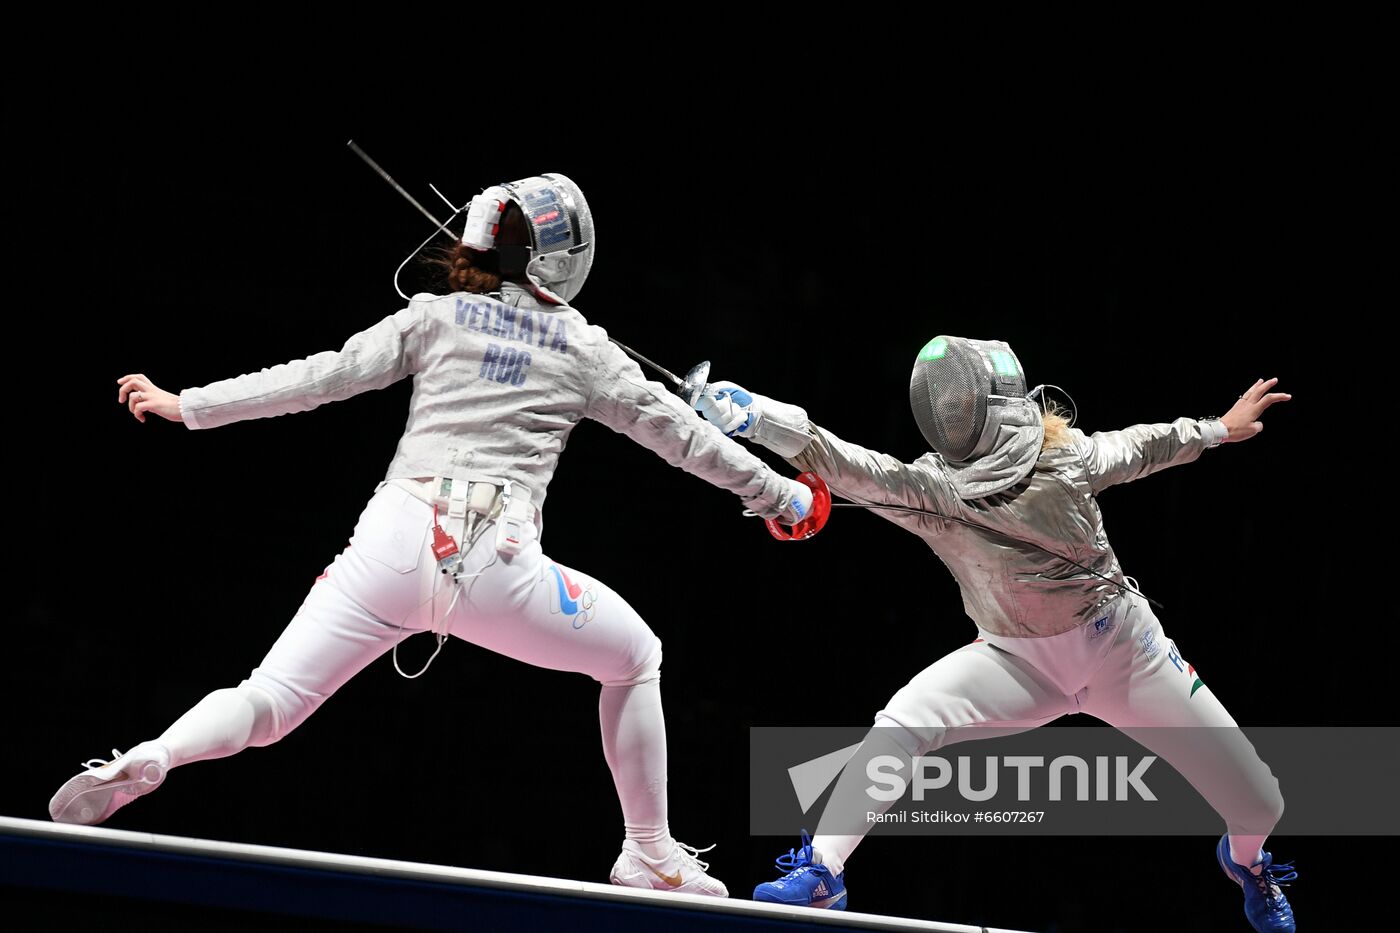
<point x="675" y="380"/>
<point x="442" y="227"/>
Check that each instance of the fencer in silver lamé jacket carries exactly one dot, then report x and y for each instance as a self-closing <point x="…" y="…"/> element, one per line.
<point x="1009" y="586"/>
<point x="498" y="384"/>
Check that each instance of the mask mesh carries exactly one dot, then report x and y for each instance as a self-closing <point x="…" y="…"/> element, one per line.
<point x="949" y="387"/>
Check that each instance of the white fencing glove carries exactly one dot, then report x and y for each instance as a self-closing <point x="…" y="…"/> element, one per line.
<point x="780" y="427"/>
<point x="799" y="504"/>
<point x="727" y="407"/>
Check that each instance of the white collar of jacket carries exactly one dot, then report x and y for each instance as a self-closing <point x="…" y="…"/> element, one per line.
<point x="1013" y="435"/>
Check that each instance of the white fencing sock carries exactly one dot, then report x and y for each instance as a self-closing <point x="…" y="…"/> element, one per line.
<point x="224" y="722"/>
<point x="634" y="744"/>
<point x="1246" y="850"/>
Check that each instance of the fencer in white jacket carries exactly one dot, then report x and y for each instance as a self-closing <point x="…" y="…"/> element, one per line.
<point x="449" y="542"/>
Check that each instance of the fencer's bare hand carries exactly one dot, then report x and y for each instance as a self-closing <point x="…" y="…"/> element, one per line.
<point x="1242" y="419"/>
<point x="140" y="395"/>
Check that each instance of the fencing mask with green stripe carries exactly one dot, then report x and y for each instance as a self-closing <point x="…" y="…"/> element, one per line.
<point x="969" y="398"/>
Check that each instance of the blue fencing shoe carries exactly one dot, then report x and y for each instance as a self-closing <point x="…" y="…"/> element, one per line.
<point x="806" y="883"/>
<point x="1264" y="903"/>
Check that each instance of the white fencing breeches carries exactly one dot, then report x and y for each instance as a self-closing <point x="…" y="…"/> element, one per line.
<point x="386" y="585"/>
<point x="1121" y="669"/>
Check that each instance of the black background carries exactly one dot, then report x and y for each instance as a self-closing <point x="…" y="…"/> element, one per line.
<point x="1152" y="255"/>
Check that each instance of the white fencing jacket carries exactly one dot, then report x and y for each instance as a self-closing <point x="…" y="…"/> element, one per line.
<point x="499" y="381"/>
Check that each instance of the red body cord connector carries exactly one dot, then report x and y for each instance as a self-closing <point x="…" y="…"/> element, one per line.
<point x="443" y="545"/>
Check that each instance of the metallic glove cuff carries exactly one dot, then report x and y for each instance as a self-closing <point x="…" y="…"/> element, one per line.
<point x="782" y="428"/>
<point x="1213" y="431"/>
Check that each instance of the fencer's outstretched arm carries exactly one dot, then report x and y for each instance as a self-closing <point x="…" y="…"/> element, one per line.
<point x="1122" y="456"/>
<point x="863" y="475"/>
<point x="372" y="359"/>
<point x="850" y="470"/>
<point x="650" y="414"/>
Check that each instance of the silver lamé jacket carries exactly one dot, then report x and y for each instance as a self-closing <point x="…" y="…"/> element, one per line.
<point x="1010" y="587"/>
